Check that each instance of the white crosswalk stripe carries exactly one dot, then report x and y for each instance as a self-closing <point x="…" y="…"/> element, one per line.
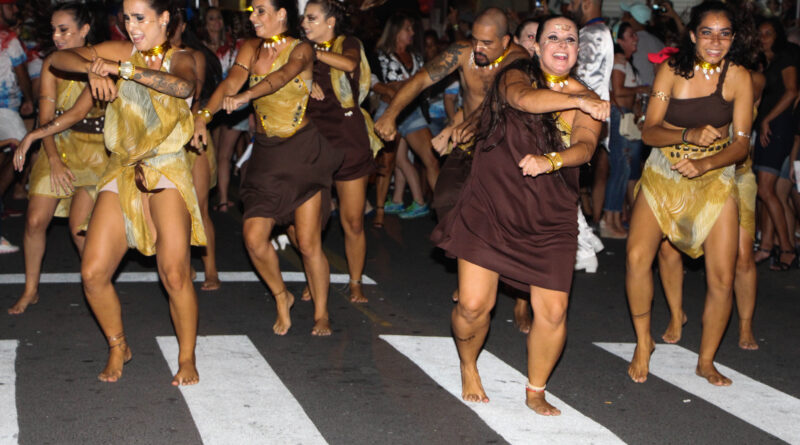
<point x="756" y="403"/>
<point x="9" y="428"/>
<point x="240" y="399"/>
<point x="152" y="277"/>
<point x="505" y="386"/>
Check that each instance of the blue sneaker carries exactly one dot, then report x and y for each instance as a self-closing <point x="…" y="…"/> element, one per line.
<point x="415" y="211"/>
<point x="392" y="208"/>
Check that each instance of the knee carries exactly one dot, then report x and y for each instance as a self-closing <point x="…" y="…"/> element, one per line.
<point x="554" y="313"/>
<point x="637" y="259"/>
<point x="765" y="192"/>
<point x="36" y="222"/>
<point x="255" y="243"/>
<point x="309" y="245"/>
<point x="353" y="226"/>
<point x="721" y="282"/>
<point x="174" y="276"/>
<point x="94" y="276"/>
<point x="471" y="309"/>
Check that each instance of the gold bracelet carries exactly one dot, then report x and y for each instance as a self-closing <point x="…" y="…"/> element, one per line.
<point x="205" y="114"/>
<point x="555" y="160"/>
<point x="126" y="70"/>
<point x="743" y="134"/>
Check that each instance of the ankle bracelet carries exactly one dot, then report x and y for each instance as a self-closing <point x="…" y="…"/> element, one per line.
<point x="531" y="388"/>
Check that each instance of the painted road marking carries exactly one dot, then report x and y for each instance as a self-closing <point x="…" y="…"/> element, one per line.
<point x="505" y="386"/>
<point x="756" y="403"/>
<point x="152" y="277"/>
<point x="240" y="399"/>
<point x="9" y="428"/>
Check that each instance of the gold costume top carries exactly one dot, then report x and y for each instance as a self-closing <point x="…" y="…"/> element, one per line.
<point x="81" y="149"/>
<point x="145" y="131"/>
<point x="281" y="113"/>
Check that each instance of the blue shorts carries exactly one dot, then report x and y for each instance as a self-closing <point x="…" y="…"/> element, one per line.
<point x="407" y="122"/>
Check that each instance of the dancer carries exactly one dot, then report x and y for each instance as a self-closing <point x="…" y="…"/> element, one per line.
<point x="687" y="191"/>
<point x="65" y="174"/>
<point x="289" y="175"/>
<point x="341" y="83"/>
<point x="146" y="198"/>
<point x="515" y="217"/>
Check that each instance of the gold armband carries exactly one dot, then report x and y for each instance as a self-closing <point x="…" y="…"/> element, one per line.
<point x="660" y="95"/>
<point x="743" y="134"/>
<point x="126" y="70"/>
<point x="205" y="114"/>
<point x="556" y="162"/>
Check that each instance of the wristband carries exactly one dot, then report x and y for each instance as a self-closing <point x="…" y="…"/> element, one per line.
<point x="683" y="135"/>
<point x="555" y="160"/>
<point x="205" y="114"/>
<point x="126" y="70"/>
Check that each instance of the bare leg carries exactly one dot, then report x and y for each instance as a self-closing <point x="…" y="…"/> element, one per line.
<point x="227" y="141"/>
<point x="420" y="142"/>
<point x="382" y="181"/>
<point x="782" y="190"/>
<point x="720" y="252"/>
<point x="643" y="241"/>
<point x="545" y="344"/>
<point x="104" y="249"/>
<point x="600" y="161"/>
<point x="410" y="173"/>
<point x="744" y="286"/>
<point x="173" y="241"/>
<point x="201" y="175"/>
<point x="79" y="211"/>
<point x="352" y="197"/>
<point x="37" y="219"/>
<point x="522" y="315"/>
<point x="308" y="225"/>
<point x="470" y="323"/>
<point x="670" y="269"/>
<point x="766" y="192"/>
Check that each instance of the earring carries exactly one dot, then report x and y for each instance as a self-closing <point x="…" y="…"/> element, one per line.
<point x="329" y="26"/>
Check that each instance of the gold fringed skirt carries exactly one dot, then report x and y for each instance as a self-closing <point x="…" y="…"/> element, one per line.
<point x="746" y="189"/>
<point x="686" y="209"/>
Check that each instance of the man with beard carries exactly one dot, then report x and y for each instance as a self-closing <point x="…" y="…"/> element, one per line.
<point x="477" y="62"/>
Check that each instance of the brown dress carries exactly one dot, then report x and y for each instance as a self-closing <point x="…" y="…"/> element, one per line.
<point x="344" y="128"/>
<point x="520" y="227"/>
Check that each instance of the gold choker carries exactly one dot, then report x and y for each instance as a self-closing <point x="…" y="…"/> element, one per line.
<point x="492" y="65"/>
<point x="324" y="46"/>
<point x="275" y="40"/>
<point x="155" y="53"/>
<point x="708" y="68"/>
<point x="553" y="80"/>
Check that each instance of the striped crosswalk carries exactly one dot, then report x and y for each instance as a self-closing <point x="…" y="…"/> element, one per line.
<point x="9" y="430"/>
<point x="152" y="277"/>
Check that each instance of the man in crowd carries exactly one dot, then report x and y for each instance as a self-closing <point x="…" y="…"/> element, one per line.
<point x="638" y="15"/>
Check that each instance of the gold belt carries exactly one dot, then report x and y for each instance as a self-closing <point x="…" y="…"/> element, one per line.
<point x="688" y="151"/>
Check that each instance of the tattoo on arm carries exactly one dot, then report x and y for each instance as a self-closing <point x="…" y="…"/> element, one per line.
<point x="443" y="64"/>
<point x="163" y="82"/>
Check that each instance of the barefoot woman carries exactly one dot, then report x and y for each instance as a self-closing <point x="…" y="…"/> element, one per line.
<point x="687" y="191"/>
<point x="289" y="175"/>
<point x="64" y="177"/>
<point x="146" y="198"/>
<point x="515" y="218"/>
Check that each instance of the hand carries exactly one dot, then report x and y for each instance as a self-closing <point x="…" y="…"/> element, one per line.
<point x="61" y="178"/>
<point x="21" y="151"/>
<point x="462" y="133"/>
<point x="103" y="88"/>
<point x="104" y="68"/>
<point x="200" y="138"/>
<point x="26" y="109"/>
<point x="233" y="103"/>
<point x="598" y="109"/>
<point x="441" y="143"/>
<point x="386" y="128"/>
<point x="691" y="168"/>
<point x="764" y="133"/>
<point x="316" y="92"/>
<point x="534" y="165"/>
<point x="703" y="136"/>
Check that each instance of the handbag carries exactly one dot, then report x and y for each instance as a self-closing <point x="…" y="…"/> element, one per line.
<point x="628" y="128"/>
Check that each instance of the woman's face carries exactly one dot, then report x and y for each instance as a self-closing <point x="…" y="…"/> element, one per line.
<point x="146" y="28"/>
<point x="214" y="22"/>
<point x="315" y="26"/>
<point x="558" y="46"/>
<point x="66" y="33"/>
<point x="266" y="21"/>
<point x="713" y="37"/>
<point x="405" y="37"/>
<point x="628" y="41"/>
<point x="527" y="39"/>
<point x="766" y="33"/>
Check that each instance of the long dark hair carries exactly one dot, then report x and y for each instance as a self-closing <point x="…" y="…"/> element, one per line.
<point x="338" y="9"/>
<point x="780" y="32"/>
<point x="739" y="53"/>
<point x="82" y="15"/>
<point x="292" y="16"/>
<point x="213" y="73"/>
<point x="624" y="26"/>
<point x="386" y="43"/>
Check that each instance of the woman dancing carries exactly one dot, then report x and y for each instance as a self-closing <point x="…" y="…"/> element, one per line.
<point x="341" y="83"/>
<point x="687" y="191"/>
<point x="65" y="174"/>
<point x="515" y="218"/>
<point x="289" y="175"/>
<point x="146" y="199"/>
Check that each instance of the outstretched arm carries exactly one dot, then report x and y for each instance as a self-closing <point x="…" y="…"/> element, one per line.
<point x="520" y="94"/>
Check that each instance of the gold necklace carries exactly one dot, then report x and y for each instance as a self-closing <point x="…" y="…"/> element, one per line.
<point x="553" y="80"/>
<point x="708" y="68"/>
<point x="492" y="65"/>
<point x="155" y="53"/>
<point x="324" y="46"/>
<point x="275" y="40"/>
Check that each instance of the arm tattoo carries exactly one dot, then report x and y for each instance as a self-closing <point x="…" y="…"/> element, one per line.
<point x="163" y="82"/>
<point x="443" y="64"/>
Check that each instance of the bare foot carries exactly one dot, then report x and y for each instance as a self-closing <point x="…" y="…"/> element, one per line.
<point x="322" y="327"/>
<point x="24" y="301"/>
<point x="284" y="301"/>
<point x="710" y="373"/>
<point x="640" y="364"/>
<point x="306" y="296"/>
<point x="378" y="221"/>
<point x="186" y="375"/>
<point x="117" y="357"/>
<point x="471" y="387"/>
<point x="455" y="296"/>
<point x="674" y="329"/>
<point x="747" y="340"/>
<point x="522" y="316"/>
<point x="537" y="402"/>
<point x="356" y="293"/>
<point x="211" y="283"/>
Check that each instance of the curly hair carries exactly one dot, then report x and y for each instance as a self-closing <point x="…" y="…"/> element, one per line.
<point x="338" y="9"/>
<point x="741" y="51"/>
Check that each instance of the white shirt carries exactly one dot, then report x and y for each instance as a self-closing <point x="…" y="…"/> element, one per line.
<point x="596" y="58"/>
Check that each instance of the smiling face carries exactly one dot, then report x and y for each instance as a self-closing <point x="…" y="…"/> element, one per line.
<point x="146" y="28"/>
<point x="66" y="33"/>
<point x="628" y="41"/>
<point x="266" y="21"/>
<point x="214" y="22"/>
<point x="316" y="27"/>
<point x="558" y="46"/>
<point x="527" y="37"/>
<point x="713" y="37"/>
